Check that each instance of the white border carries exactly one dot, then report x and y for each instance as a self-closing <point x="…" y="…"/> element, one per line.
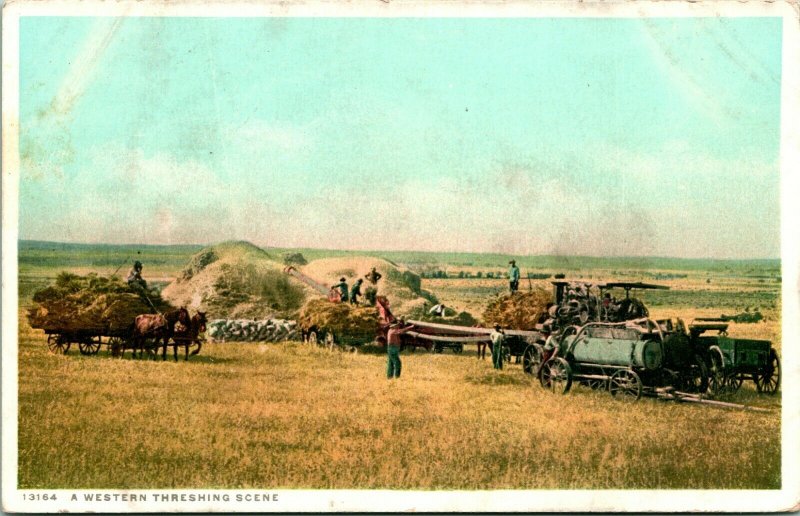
<point x="788" y="498"/>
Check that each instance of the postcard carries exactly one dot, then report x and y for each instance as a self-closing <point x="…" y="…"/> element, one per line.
<point x="399" y="256"/>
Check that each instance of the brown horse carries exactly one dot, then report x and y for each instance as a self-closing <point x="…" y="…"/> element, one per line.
<point x="177" y="321"/>
<point x="189" y="335"/>
<point x="148" y="326"/>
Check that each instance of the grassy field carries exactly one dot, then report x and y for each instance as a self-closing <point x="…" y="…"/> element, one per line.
<point x="288" y="415"/>
<point x="292" y="416"/>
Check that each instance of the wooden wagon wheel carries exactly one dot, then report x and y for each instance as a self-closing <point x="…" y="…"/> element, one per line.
<point x="89" y="346"/>
<point x="556" y="375"/>
<point x="58" y="344"/>
<point x="625" y="385"/>
<point x="716" y="374"/>
<point x="116" y="346"/>
<point x="732" y="382"/>
<point x="769" y="380"/>
<point x="330" y="341"/>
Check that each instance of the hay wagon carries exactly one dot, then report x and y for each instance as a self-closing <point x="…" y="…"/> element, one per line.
<point x="92" y="339"/>
<point x="89" y="339"/>
<point x="731" y="361"/>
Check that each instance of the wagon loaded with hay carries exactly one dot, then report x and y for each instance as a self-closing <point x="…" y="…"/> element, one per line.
<point x="344" y="326"/>
<point x="90" y="311"/>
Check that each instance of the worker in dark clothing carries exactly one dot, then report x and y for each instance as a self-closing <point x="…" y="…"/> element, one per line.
<point x="393" y="343"/>
<point x="371" y="293"/>
<point x="135" y="276"/>
<point x="498" y="338"/>
<point x="355" y="291"/>
<point x="373" y="276"/>
<point x="513" y="276"/>
<point x="342" y="286"/>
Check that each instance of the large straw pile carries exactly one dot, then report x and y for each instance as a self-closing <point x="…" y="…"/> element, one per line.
<point x="340" y="318"/>
<point x="236" y="280"/>
<point x="91" y="302"/>
<point x="518" y="311"/>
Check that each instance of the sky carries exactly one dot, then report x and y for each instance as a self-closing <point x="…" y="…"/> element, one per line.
<point x="526" y="136"/>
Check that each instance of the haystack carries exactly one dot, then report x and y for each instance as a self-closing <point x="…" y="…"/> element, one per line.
<point x="236" y="280"/>
<point x="518" y="311"/>
<point x="340" y="318"/>
<point x="91" y="302"/>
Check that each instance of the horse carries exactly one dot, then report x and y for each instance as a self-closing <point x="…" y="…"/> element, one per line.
<point x="173" y="317"/>
<point x="189" y="335"/>
<point x="153" y="326"/>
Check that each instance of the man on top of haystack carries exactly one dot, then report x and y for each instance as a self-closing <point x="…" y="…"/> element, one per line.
<point x="343" y="290"/>
<point x="373" y="276"/>
<point x="372" y="290"/>
<point x="135" y="276"/>
<point x="513" y="276"/>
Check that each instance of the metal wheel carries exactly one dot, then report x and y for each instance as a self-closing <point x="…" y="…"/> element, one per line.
<point x="89" y="346"/>
<point x="532" y="359"/>
<point x="769" y="380"/>
<point x="556" y="375"/>
<point x="625" y="385"/>
<point x="58" y="344"/>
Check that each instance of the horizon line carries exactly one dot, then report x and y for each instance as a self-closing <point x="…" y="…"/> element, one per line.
<point x="375" y="251"/>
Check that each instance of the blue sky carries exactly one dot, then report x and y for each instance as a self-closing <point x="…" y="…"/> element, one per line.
<point x="526" y="136"/>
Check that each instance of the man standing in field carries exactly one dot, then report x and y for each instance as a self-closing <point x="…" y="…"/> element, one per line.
<point x="393" y="342"/>
<point x="498" y="338"/>
<point x="342" y="286"/>
<point x="513" y="276"/>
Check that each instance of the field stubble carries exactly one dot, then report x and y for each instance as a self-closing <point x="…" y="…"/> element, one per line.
<point x="293" y="416"/>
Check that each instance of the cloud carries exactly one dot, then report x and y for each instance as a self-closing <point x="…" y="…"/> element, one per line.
<point x="258" y="133"/>
<point x="628" y="204"/>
